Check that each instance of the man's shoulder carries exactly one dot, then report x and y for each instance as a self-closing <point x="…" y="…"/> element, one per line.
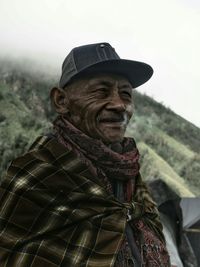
<point x="43" y="154"/>
<point x="38" y="166"/>
<point x="45" y="157"/>
<point x="44" y="149"/>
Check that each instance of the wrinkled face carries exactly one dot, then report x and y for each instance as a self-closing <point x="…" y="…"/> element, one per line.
<point x="101" y="106"/>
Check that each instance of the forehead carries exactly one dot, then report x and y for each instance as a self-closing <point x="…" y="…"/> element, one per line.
<point x="94" y="79"/>
<point x="111" y="79"/>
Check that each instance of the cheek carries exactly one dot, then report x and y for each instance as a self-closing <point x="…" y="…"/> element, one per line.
<point x="90" y="114"/>
<point x="75" y="114"/>
<point x="84" y="114"/>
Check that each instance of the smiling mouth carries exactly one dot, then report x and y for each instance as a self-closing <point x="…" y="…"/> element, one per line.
<point x="120" y="119"/>
<point x="114" y="118"/>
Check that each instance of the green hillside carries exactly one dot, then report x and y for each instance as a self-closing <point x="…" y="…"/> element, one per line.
<point x="172" y="138"/>
<point x="155" y="166"/>
<point x="169" y="145"/>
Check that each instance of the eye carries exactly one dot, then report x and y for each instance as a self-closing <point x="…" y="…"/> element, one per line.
<point x="102" y="91"/>
<point x="126" y="94"/>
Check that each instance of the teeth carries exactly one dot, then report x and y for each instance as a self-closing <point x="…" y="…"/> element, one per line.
<point x="122" y="119"/>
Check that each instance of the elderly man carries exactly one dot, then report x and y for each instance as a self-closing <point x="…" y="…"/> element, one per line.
<point x="77" y="197"/>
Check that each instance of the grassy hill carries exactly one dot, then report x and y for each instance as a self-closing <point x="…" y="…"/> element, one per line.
<point x="169" y="145"/>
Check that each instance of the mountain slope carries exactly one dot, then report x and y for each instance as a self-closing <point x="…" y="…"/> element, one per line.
<point x="167" y="134"/>
<point x="155" y="166"/>
<point x="169" y="145"/>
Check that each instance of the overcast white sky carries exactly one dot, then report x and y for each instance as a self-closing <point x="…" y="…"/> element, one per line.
<point x="163" y="33"/>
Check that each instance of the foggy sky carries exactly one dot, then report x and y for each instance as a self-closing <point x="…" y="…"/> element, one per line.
<point x="164" y="34"/>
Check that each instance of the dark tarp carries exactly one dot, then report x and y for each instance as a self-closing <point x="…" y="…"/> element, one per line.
<point x="181" y="221"/>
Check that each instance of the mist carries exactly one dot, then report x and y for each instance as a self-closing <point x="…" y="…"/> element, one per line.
<point x="164" y="34"/>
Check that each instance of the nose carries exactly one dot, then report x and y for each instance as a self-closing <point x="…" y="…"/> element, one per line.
<point x="116" y="103"/>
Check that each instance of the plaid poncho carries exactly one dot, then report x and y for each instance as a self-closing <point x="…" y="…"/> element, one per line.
<point x="54" y="212"/>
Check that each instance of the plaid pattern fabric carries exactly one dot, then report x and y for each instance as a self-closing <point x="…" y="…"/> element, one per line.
<point x="54" y="212"/>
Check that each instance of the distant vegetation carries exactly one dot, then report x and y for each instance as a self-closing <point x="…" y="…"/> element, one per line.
<point x="169" y="145"/>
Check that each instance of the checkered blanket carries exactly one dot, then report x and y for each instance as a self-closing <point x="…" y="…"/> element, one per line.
<point x="54" y="212"/>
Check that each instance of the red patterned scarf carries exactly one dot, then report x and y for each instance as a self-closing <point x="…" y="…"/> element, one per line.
<point x="122" y="166"/>
<point x="101" y="159"/>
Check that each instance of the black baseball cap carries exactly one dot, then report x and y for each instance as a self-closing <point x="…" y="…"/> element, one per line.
<point x="102" y="58"/>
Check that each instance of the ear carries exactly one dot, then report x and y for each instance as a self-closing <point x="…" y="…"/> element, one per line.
<point x="59" y="100"/>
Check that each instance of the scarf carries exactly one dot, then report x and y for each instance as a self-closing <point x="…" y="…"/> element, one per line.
<point x="101" y="159"/>
<point x="115" y="168"/>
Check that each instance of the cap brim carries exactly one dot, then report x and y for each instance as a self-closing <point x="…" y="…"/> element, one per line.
<point x="136" y="72"/>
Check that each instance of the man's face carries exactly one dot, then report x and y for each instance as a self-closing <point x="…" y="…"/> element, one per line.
<point x="101" y="106"/>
